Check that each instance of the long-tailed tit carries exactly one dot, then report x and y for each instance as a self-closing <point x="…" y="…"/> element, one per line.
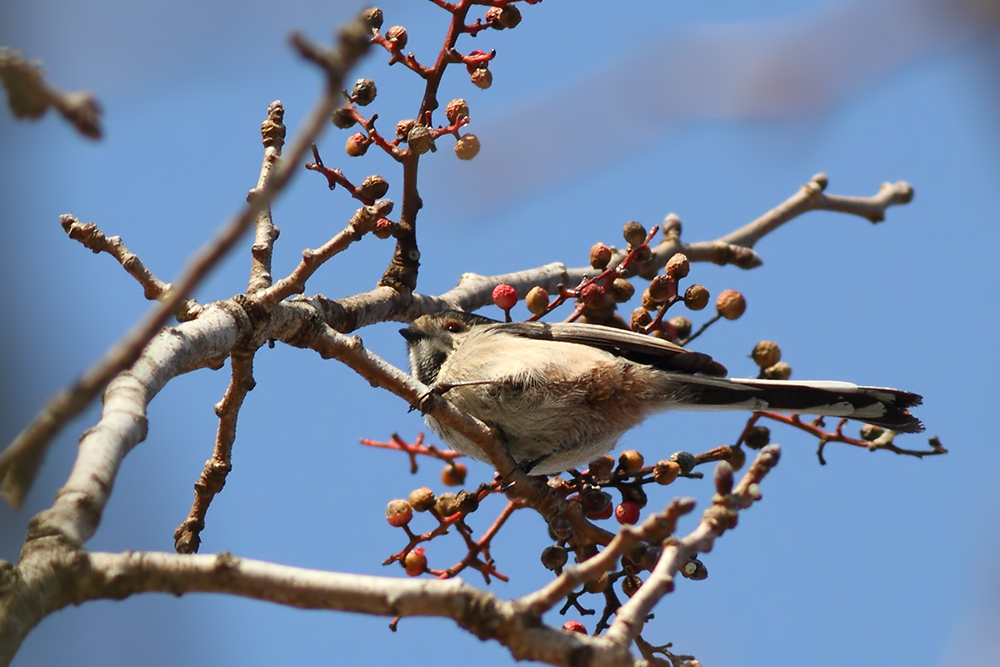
<point x="561" y="395"/>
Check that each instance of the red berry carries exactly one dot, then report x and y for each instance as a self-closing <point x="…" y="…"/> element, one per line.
<point x="575" y="626"/>
<point x="398" y="513"/>
<point x="504" y="296"/>
<point x="627" y="512"/>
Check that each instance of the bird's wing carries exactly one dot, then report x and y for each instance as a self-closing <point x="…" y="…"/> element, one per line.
<point x="628" y="344"/>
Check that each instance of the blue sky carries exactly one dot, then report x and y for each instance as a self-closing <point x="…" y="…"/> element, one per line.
<point x="596" y="116"/>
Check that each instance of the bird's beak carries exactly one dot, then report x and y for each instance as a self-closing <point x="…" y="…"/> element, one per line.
<point x="411" y="335"/>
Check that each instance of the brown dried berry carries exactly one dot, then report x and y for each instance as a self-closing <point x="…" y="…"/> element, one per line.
<point x="631" y="585"/>
<point x="373" y="187"/>
<point x="446" y="504"/>
<point x="601" y="468"/>
<point x="421" y="499"/>
<point x="600" y="255"/>
<point x="779" y="371"/>
<point x="622" y="290"/>
<point x="454" y="474"/>
<point x="665" y="472"/>
<point x="758" y="437"/>
<point x="403" y="128"/>
<point x="730" y="304"/>
<point x="685" y="460"/>
<point x="554" y="557"/>
<point x="492" y="18"/>
<point x="681" y="325"/>
<point x="766" y="353"/>
<point x="594" y="501"/>
<point x="397" y="37"/>
<point x="482" y="78"/>
<point x="631" y="461"/>
<point x="467" y="147"/>
<point x="640" y="319"/>
<point x="364" y="92"/>
<point x="738" y="458"/>
<point x="343" y="118"/>
<point x="678" y="266"/>
<point x="456" y="110"/>
<point x="510" y="16"/>
<point x="661" y="288"/>
<point x="696" y="297"/>
<point x="420" y="139"/>
<point x="537" y="300"/>
<point x="373" y="17"/>
<point x="633" y="493"/>
<point x="357" y="144"/>
<point x="634" y="233"/>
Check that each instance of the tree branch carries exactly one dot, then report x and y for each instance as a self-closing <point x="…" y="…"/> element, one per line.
<point x="20" y="461"/>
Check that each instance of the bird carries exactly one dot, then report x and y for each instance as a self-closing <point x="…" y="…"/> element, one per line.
<point x="559" y="395"/>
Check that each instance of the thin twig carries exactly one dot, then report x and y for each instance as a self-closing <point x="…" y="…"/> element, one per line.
<point x="187" y="537"/>
<point x="153" y="288"/>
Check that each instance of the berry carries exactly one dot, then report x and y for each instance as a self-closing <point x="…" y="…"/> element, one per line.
<point x="661" y="288"/>
<point x="627" y="512"/>
<point x="686" y="460"/>
<point x="420" y="139"/>
<point x="640" y="319"/>
<point x="759" y="437"/>
<point x="766" y="353"/>
<point x="421" y="499"/>
<point x="634" y="233"/>
<point x="373" y="17"/>
<point x="600" y="255"/>
<point x="575" y="626"/>
<point x="730" y="304"/>
<point x="779" y="371"/>
<point x="631" y="585"/>
<point x="373" y="187"/>
<point x="482" y="78"/>
<point x="554" y="557"/>
<point x="415" y="562"/>
<point x="696" y="297"/>
<point x="665" y="472"/>
<point x="681" y="325"/>
<point x="622" y="290"/>
<point x="456" y="110"/>
<point x="504" y="296"/>
<point x="398" y="513"/>
<point x="397" y="37"/>
<point x="601" y="468"/>
<point x="631" y="461"/>
<point x="343" y="118"/>
<point x="454" y="474"/>
<point x="357" y="144"/>
<point x="364" y="92"/>
<point x="403" y="127"/>
<point x="446" y="504"/>
<point x="738" y="458"/>
<point x="678" y="266"/>
<point x="537" y="300"/>
<point x="592" y="296"/>
<point x="467" y="147"/>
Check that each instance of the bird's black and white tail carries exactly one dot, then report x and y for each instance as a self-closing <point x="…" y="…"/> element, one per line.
<point x="874" y="405"/>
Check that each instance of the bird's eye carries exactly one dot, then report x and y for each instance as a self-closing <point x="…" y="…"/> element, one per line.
<point x="454" y="327"/>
